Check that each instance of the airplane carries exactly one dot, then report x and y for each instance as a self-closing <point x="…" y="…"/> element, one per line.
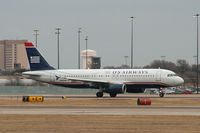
<point x="112" y="81"/>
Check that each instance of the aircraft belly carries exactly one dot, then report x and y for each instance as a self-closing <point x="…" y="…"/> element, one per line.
<point x="146" y="84"/>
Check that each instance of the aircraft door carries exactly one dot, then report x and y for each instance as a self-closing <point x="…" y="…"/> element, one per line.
<point x="158" y="76"/>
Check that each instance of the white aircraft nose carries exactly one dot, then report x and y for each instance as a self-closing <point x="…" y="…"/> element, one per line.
<point x="180" y="80"/>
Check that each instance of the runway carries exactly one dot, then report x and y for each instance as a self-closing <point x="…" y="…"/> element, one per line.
<point x="106" y="96"/>
<point x="95" y="110"/>
<point x="86" y="113"/>
<point x="90" y="105"/>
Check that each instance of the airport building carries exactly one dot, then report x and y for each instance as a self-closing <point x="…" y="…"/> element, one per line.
<point x="13" y="55"/>
<point x="90" y="61"/>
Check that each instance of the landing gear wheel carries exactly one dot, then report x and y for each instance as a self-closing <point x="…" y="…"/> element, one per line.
<point x="99" y="94"/>
<point x="113" y="94"/>
<point x="162" y="94"/>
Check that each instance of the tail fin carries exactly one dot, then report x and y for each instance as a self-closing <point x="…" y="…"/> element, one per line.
<point x="36" y="61"/>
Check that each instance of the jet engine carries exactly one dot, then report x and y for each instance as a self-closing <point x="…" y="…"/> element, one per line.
<point x="115" y="88"/>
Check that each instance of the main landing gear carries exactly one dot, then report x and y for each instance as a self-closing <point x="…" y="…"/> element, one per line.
<point x="161" y="93"/>
<point x="100" y="94"/>
<point x="113" y="94"/>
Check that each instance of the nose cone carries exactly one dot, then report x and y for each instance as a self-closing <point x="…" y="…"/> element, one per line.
<point x="180" y="81"/>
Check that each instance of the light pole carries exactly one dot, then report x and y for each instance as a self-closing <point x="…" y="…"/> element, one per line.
<point x="86" y="39"/>
<point x="79" y="32"/>
<point x="132" y="40"/>
<point x="36" y="34"/>
<point x="195" y="59"/>
<point x="197" y="16"/>
<point x="58" y="33"/>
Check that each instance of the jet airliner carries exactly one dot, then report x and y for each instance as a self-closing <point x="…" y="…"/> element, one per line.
<point x="112" y="81"/>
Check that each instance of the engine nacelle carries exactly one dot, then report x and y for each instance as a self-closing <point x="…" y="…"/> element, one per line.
<point x="115" y="88"/>
<point x="132" y="89"/>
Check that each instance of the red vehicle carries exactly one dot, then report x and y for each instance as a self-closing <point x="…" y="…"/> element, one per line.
<point x="187" y="92"/>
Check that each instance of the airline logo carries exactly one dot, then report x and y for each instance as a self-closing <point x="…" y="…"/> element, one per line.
<point x="57" y="77"/>
<point x="130" y="72"/>
<point x="35" y="59"/>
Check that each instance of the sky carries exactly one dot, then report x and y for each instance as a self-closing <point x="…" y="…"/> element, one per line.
<point x="161" y="28"/>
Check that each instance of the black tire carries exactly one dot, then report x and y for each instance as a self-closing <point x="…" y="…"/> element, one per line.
<point x="113" y="94"/>
<point x="161" y="94"/>
<point x="99" y="94"/>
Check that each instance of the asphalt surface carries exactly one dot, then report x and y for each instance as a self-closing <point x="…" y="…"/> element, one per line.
<point x="106" y="110"/>
<point x="79" y="110"/>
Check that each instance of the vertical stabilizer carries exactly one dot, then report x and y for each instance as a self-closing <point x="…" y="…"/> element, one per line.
<point x="35" y="59"/>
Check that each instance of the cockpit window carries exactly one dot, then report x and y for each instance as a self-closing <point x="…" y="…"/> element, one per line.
<point x="171" y="75"/>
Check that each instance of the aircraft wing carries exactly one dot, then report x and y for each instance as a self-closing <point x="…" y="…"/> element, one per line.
<point x="92" y="80"/>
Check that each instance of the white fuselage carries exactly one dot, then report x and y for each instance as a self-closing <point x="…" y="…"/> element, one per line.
<point x="162" y="77"/>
